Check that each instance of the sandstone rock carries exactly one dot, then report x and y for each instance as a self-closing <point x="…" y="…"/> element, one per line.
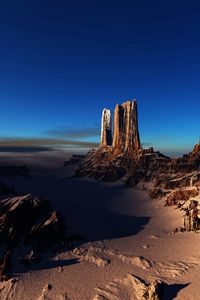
<point x="180" y="195"/>
<point x="106" y="128"/>
<point x="131" y="286"/>
<point x="29" y="219"/>
<point x="126" y="133"/>
<point x="127" y="158"/>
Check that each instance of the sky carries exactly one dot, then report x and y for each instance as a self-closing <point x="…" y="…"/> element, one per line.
<point x="62" y="62"/>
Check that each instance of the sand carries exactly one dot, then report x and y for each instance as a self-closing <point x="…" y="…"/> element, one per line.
<point x="126" y="234"/>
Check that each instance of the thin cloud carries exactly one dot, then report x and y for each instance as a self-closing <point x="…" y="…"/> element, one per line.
<point x="24" y="149"/>
<point x="44" y="142"/>
<point x="66" y="132"/>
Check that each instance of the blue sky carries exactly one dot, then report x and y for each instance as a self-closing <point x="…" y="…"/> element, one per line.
<point x="62" y="62"/>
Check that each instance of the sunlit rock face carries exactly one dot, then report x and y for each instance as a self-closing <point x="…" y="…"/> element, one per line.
<point x="106" y="128"/>
<point x="126" y="133"/>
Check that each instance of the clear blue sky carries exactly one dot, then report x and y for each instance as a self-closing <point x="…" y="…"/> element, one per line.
<point x="62" y="62"/>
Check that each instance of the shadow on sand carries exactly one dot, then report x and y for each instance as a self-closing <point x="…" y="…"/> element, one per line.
<point x="46" y="263"/>
<point x="87" y="208"/>
<point x="171" y="291"/>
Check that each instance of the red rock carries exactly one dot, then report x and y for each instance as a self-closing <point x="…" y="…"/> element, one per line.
<point x="126" y="133"/>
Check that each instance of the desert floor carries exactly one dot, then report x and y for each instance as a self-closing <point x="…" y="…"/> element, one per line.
<point x="125" y="232"/>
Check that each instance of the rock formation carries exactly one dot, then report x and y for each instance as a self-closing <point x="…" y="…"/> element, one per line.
<point x="126" y="158"/>
<point x="29" y="219"/>
<point x="106" y="128"/>
<point x="126" y="134"/>
<point x="28" y="223"/>
<point x="113" y="162"/>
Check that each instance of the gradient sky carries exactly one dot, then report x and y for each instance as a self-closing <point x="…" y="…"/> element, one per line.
<point x="62" y="62"/>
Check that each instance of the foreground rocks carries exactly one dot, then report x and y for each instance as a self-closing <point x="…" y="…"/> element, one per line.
<point x="130" y="285"/>
<point x="30" y="221"/>
<point x="5" y="266"/>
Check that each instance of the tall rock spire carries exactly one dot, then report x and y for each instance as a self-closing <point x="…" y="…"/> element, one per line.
<point x="106" y="128"/>
<point x="119" y="128"/>
<point x="126" y="134"/>
<point x="132" y="140"/>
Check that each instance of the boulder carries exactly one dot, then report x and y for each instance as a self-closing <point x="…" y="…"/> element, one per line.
<point x="28" y="219"/>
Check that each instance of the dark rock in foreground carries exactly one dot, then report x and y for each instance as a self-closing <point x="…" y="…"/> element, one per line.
<point x="5" y="266"/>
<point x="30" y="221"/>
<point x="27" y="219"/>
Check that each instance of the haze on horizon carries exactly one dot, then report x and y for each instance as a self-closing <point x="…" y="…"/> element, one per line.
<point x="62" y="63"/>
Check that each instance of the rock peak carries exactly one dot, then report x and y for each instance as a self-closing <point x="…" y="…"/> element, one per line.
<point x="126" y="133"/>
<point x="106" y="128"/>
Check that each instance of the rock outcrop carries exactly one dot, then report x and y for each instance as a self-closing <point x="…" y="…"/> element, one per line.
<point x="106" y="128"/>
<point x="27" y="219"/>
<point x="180" y="195"/>
<point x="29" y="225"/>
<point x="112" y="161"/>
<point x="126" y="133"/>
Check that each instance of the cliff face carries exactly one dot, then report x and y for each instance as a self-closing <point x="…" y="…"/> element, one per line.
<point x="126" y="134"/>
<point x="106" y="128"/>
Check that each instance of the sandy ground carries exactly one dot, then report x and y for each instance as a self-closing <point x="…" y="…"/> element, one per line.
<point x="125" y="233"/>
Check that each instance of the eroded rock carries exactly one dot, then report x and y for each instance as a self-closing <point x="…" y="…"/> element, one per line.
<point x="180" y="195"/>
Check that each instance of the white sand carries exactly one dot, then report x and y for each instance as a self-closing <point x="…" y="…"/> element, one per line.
<point x="126" y="232"/>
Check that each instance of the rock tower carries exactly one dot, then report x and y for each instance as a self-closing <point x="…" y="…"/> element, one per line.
<point x="106" y="128"/>
<point x="126" y="134"/>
